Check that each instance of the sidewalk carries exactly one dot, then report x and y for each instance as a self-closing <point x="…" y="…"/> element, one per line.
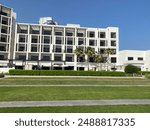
<point x="73" y="103"/>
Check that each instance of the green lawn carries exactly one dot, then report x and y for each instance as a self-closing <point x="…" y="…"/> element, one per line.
<point x="81" y="109"/>
<point x="46" y="93"/>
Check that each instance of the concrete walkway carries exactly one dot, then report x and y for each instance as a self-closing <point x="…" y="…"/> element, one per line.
<point x="73" y="103"/>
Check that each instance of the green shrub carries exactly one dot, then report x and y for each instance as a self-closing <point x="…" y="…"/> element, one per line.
<point x="145" y="72"/>
<point x="65" y="73"/>
<point x="131" y="69"/>
<point x="147" y="76"/>
<point x="2" y="75"/>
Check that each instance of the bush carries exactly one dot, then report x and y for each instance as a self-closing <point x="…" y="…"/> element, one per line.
<point x="131" y="69"/>
<point x="2" y="75"/>
<point x="147" y="76"/>
<point x="65" y="73"/>
<point x="145" y="72"/>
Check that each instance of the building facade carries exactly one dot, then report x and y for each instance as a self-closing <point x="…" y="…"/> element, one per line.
<point x="48" y="45"/>
<point x="137" y="58"/>
<point x="7" y="35"/>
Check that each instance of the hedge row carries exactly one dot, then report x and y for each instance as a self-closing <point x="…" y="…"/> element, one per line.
<point x="2" y="75"/>
<point x="65" y="73"/>
<point x="144" y="72"/>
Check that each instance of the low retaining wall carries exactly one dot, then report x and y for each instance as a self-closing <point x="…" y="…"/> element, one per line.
<point x="5" y="70"/>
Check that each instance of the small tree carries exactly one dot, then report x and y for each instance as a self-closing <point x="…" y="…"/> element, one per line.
<point x="131" y="69"/>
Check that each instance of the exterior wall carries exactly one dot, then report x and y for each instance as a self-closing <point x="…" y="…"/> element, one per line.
<point x="140" y="59"/>
<point x="49" y="41"/>
<point x="7" y="18"/>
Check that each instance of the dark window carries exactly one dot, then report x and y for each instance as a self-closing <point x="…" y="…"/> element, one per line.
<point x="58" y="58"/>
<point x="34" y="58"/>
<point x="58" y="49"/>
<point x="80" y="42"/>
<point x="58" y="41"/>
<point x="102" y="34"/>
<point x="23" y="31"/>
<point x="79" y="34"/>
<point x="46" y="58"/>
<point x="92" y="34"/>
<point x="91" y="59"/>
<point x="3" y="30"/>
<point x="3" y="39"/>
<point x="140" y="58"/>
<point x="22" y="57"/>
<point x="58" y="33"/>
<point x="34" y="40"/>
<point x="113" y="60"/>
<point x="33" y="49"/>
<point x="91" y="42"/>
<point x="2" y="48"/>
<point x="130" y="58"/>
<point x="102" y="51"/>
<point x="69" y="42"/>
<point x="69" y="58"/>
<point x="46" y="49"/>
<point x="46" y="40"/>
<point x="47" y="32"/>
<point x="81" y="59"/>
<point x="102" y="43"/>
<point x="69" y="50"/>
<point x="4" y="22"/>
<point x="21" y="48"/>
<point x="113" y="43"/>
<point x="1" y="57"/>
<point x="113" y="35"/>
<point x="35" y="32"/>
<point x="21" y="39"/>
<point x="69" y="34"/>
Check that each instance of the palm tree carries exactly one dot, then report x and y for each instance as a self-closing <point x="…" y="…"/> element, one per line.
<point x="79" y="51"/>
<point x="98" y="59"/>
<point x="107" y="52"/>
<point x="90" y="54"/>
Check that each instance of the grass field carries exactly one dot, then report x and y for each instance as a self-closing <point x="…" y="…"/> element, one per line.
<point x="44" y="89"/>
<point x="81" y="109"/>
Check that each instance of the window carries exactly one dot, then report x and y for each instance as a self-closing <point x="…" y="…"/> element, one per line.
<point x="91" y="34"/>
<point x="130" y="58"/>
<point x="102" y="43"/>
<point x="58" y="41"/>
<point x="102" y="35"/>
<point x="113" y="35"/>
<point x="69" y="50"/>
<point x="69" y="58"/>
<point x="2" y="48"/>
<point x="46" y="58"/>
<point x="113" y="43"/>
<point x="46" y="40"/>
<point x="91" y="42"/>
<point x="47" y="32"/>
<point x="34" y="58"/>
<point x="57" y="49"/>
<point x="140" y="58"/>
<point x="33" y="49"/>
<point x="69" y="34"/>
<point x="21" y="39"/>
<point x="58" y="33"/>
<point x="21" y="48"/>
<point x="1" y="57"/>
<point x="58" y="58"/>
<point x="113" y="60"/>
<point x="46" y="49"/>
<point x="69" y="42"/>
<point x="79" y="34"/>
<point x="22" y="57"/>
<point x="80" y="41"/>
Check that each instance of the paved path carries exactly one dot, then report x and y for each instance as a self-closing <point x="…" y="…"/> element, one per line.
<point x="73" y="103"/>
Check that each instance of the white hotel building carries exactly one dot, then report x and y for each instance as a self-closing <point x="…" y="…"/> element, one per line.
<point x="51" y="46"/>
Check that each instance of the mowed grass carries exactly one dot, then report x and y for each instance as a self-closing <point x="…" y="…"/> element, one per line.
<point x="47" y="93"/>
<point x="81" y="109"/>
<point x="72" y="81"/>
